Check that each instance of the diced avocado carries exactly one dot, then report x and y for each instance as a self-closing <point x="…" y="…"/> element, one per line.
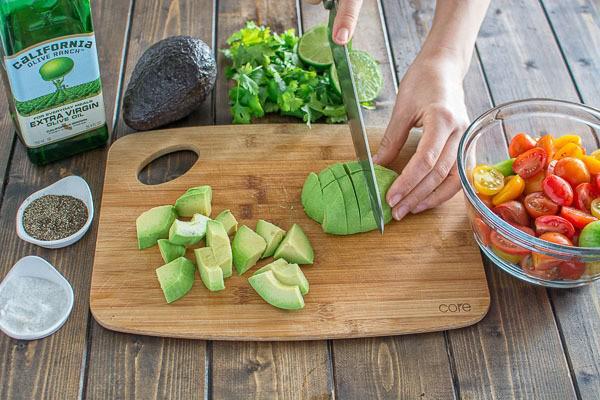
<point x="350" y="203"/>
<point x="176" y="278"/>
<point x="334" y="219"/>
<point x="275" y="293"/>
<point x="154" y="224"/>
<point x="217" y="239"/>
<point x="312" y="198"/>
<point x="295" y="247"/>
<point x="210" y="271"/>
<point x="247" y="247"/>
<point x="195" y="201"/>
<point x="272" y="234"/>
<point x="187" y="233"/>
<point x="288" y="274"/>
<point x="170" y="251"/>
<point x="228" y="221"/>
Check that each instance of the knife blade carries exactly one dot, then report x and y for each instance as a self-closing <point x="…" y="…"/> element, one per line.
<point x="341" y="59"/>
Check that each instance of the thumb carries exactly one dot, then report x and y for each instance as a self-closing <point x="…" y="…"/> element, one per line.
<point x="345" y="21"/>
<point x="393" y="140"/>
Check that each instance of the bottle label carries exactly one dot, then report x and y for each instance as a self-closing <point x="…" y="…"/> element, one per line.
<point x="56" y="89"/>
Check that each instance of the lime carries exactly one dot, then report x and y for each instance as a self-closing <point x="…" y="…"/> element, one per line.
<point x="313" y="48"/>
<point x="367" y="75"/>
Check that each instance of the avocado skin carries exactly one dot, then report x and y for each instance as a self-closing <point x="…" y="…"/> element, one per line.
<point x="170" y="80"/>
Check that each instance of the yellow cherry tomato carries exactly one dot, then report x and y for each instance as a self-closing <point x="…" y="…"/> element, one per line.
<point x="487" y="180"/>
<point x="596" y="154"/>
<point x="561" y="141"/>
<point x="596" y="207"/>
<point x="513" y="188"/>
<point x="569" y="150"/>
<point x="592" y="164"/>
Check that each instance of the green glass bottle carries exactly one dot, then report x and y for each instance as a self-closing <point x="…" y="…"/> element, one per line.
<point x="50" y="68"/>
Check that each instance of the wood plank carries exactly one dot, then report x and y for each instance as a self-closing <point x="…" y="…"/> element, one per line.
<point x="387" y="367"/>
<point x="279" y="15"/>
<point x="145" y="367"/>
<point x="51" y="368"/>
<point x="576" y="25"/>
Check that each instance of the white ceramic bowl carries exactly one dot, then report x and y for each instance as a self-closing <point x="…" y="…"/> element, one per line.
<point x="70" y="186"/>
<point x="37" y="267"/>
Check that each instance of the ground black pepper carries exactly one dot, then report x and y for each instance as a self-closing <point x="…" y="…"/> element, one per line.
<point x="53" y="217"/>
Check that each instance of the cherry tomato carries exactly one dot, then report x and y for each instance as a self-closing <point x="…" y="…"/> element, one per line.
<point x="596" y="154"/>
<point x="505" y="245"/>
<point x="512" y="212"/>
<point x="543" y="262"/>
<point x="572" y="170"/>
<point x="551" y="166"/>
<point x="487" y="180"/>
<point x="578" y="218"/>
<point x="482" y="230"/>
<point x="558" y="190"/>
<point x="584" y="195"/>
<point x="530" y="163"/>
<point x="571" y="270"/>
<point x="554" y="223"/>
<point x="538" y="204"/>
<point x="525" y="229"/>
<point x="546" y="142"/>
<point x="568" y="150"/>
<point x="561" y="141"/>
<point x="520" y="144"/>
<point x="534" y="184"/>
<point x="592" y="163"/>
<point x="487" y="200"/>
<point x="596" y="180"/>
<point x="513" y="188"/>
<point x="595" y="207"/>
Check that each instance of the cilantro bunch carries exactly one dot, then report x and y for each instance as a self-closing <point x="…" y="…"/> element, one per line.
<point x="270" y="78"/>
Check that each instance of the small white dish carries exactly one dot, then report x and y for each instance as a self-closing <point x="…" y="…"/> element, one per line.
<point x="70" y="186"/>
<point x="32" y="266"/>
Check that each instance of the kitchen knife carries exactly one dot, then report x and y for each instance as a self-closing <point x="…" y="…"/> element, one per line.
<point x="341" y="59"/>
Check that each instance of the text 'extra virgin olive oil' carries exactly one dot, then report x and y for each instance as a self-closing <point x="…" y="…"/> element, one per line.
<point x="50" y="66"/>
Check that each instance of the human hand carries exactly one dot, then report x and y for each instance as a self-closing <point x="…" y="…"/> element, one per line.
<point x="345" y="21"/>
<point x="430" y="96"/>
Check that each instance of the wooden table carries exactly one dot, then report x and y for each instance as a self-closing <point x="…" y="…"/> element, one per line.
<point x="534" y="343"/>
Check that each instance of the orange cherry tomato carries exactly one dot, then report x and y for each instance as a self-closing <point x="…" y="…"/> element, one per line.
<point x="568" y="150"/>
<point x="543" y="262"/>
<point x="538" y="204"/>
<point x="578" y="218"/>
<point x="546" y="142"/>
<point x="592" y="163"/>
<point x="563" y="140"/>
<point x="572" y="170"/>
<point x="520" y="144"/>
<point x="596" y="154"/>
<point x="534" y="184"/>
<point x="530" y="163"/>
<point x="487" y="180"/>
<point x="487" y="200"/>
<point x="513" y="188"/>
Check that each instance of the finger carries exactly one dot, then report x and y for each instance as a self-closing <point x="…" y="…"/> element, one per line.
<point x="345" y="21"/>
<point x="443" y="193"/>
<point x="434" y="179"/>
<point x="394" y="138"/>
<point x="436" y="130"/>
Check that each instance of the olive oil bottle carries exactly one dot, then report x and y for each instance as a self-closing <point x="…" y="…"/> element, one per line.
<point x="50" y="69"/>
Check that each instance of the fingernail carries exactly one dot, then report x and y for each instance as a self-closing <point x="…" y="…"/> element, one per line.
<point x="400" y="212"/>
<point x="376" y="159"/>
<point x="418" y="209"/>
<point x="342" y="35"/>
<point x="394" y="200"/>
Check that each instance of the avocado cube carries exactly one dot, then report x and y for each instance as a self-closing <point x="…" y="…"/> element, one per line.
<point x="276" y="293"/>
<point x="272" y="234"/>
<point x="295" y="247"/>
<point x="288" y="274"/>
<point x="334" y="219"/>
<point x="351" y="204"/>
<point x="153" y="225"/>
<point x="247" y="247"/>
<point x="210" y="271"/>
<point x="218" y="240"/>
<point x="186" y="233"/>
<point x="229" y="222"/>
<point x="176" y="278"/>
<point x="170" y="251"/>
<point x="195" y="201"/>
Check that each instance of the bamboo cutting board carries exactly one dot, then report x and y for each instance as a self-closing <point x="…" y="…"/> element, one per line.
<point x="424" y="274"/>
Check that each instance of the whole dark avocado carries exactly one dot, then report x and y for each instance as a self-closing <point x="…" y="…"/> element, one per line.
<point x="170" y="80"/>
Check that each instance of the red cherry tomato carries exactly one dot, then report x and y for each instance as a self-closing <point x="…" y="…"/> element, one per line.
<point x="525" y="229"/>
<point x="584" y="195"/>
<point x="530" y="163"/>
<point x="571" y="270"/>
<point x="554" y="223"/>
<point x="482" y="230"/>
<point x="543" y="262"/>
<point x="578" y="218"/>
<point x="538" y="204"/>
<point x="534" y="184"/>
<point x="546" y="142"/>
<point x="512" y="212"/>
<point x="505" y="245"/>
<point x="558" y="190"/>
<point x="572" y="170"/>
<point x="487" y="200"/>
<point x="596" y="180"/>
<point x="520" y="144"/>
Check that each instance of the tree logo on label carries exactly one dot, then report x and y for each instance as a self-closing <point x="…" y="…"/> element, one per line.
<point x="55" y="71"/>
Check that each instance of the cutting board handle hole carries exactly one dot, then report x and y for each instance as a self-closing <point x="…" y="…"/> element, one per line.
<point x="167" y="164"/>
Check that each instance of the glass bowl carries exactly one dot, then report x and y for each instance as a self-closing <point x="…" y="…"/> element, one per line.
<point x="486" y="142"/>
